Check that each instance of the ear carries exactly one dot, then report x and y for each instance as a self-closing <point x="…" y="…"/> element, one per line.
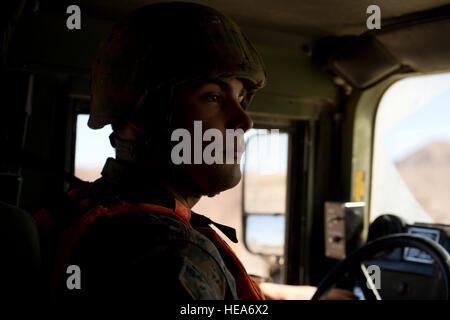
<point x="129" y="131"/>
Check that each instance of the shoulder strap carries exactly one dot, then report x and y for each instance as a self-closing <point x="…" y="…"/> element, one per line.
<point x="200" y="220"/>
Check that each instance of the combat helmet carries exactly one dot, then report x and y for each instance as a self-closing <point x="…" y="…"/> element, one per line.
<point x="161" y="45"/>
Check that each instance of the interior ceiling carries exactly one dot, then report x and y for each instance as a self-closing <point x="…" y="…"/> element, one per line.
<point x="313" y="18"/>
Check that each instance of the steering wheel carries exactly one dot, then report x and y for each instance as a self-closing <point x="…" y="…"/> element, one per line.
<point x="355" y="259"/>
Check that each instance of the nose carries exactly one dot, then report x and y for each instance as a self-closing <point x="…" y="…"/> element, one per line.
<point x="239" y="117"/>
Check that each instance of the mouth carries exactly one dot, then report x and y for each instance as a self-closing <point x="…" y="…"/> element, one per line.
<point x="233" y="154"/>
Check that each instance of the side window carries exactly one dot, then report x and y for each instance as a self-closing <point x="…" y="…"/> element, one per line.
<point x="411" y="165"/>
<point x="92" y="148"/>
<point x="265" y="184"/>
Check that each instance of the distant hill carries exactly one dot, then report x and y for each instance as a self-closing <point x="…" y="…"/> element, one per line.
<point x="88" y="174"/>
<point x="436" y="153"/>
<point x="427" y="174"/>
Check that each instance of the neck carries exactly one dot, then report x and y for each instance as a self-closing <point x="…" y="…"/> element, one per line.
<point x="182" y="194"/>
<point x="186" y="198"/>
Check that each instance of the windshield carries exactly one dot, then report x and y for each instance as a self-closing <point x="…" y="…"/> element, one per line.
<point x="411" y="165"/>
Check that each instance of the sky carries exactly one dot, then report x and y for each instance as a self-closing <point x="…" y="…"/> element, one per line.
<point x="415" y="112"/>
<point x="266" y="229"/>
<point x="266" y="152"/>
<point x="92" y="147"/>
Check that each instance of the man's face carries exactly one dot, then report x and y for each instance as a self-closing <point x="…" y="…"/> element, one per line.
<point x="217" y="103"/>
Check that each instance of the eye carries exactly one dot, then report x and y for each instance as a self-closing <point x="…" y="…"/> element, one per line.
<point x="243" y="103"/>
<point x="213" y="98"/>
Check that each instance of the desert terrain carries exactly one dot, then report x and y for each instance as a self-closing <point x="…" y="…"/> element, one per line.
<point x="427" y="174"/>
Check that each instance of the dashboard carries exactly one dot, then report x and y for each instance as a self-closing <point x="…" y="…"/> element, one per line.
<point x="408" y="273"/>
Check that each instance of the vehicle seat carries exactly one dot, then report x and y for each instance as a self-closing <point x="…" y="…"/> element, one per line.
<point x="20" y="255"/>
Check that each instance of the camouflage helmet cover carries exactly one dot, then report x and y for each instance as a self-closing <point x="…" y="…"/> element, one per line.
<point x="164" y="44"/>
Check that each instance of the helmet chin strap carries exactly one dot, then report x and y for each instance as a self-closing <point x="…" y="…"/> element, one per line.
<point x="142" y="151"/>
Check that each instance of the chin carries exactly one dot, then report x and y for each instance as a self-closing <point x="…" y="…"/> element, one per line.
<point x="220" y="178"/>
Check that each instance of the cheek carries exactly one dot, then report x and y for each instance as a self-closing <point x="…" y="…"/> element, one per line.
<point x="198" y="124"/>
<point x="185" y="117"/>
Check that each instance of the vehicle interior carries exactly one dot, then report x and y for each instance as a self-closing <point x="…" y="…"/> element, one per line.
<point x="345" y="178"/>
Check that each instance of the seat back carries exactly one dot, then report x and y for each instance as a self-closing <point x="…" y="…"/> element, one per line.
<point x="20" y="255"/>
